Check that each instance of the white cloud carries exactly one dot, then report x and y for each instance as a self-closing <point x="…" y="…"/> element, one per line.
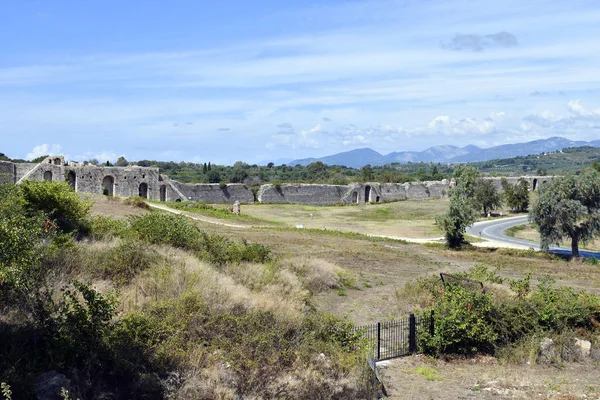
<point x="44" y="149"/>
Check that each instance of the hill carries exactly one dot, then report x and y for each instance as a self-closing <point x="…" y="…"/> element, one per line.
<point x="447" y="153"/>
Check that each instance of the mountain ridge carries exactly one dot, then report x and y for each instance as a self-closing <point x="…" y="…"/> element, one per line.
<point x="446" y="153"/>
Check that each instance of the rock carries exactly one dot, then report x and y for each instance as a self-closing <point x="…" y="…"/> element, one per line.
<point x="49" y="385"/>
<point x="584" y="347"/>
<point x="547" y="351"/>
<point x="236" y="207"/>
<point x="595" y="354"/>
<point x="576" y="350"/>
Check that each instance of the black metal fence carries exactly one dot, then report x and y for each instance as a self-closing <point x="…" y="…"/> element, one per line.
<point x="396" y="338"/>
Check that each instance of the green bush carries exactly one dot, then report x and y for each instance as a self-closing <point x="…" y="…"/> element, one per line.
<point x="105" y="227"/>
<point x="166" y="228"/>
<point x="124" y="261"/>
<point x="462" y="323"/>
<point x="178" y="231"/>
<point x="58" y="202"/>
<point x="137" y="201"/>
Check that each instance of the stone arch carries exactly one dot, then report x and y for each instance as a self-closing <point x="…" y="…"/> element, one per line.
<point x="178" y="201"/>
<point x="48" y="176"/>
<point x="57" y="161"/>
<point x="72" y="179"/>
<point x="143" y="190"/>
<point x="163" y="193"/>
<point x="534" y="185"/>
<point x="367" y="193"/>
<point x="108" y="186"/>
<point x="355" y="197"/>
<point x="377" y="199"/>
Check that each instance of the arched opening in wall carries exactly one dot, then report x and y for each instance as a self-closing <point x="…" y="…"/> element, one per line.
<point x="57" y="161"/>
<point x="72" y="179"/>
<point x="534" y="185"/>
<point x="355" y="197"/>
<point x="48" y="176"/>
<point x="163" y="193"/>
<point x="144" y="190"/>
<point x="178" y="201"/>
<point x="377" y="199"/>
<point x="367" y="194"/>
<point x="108" y="186"/>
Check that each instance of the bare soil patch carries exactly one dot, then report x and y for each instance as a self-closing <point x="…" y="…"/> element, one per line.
<point x="419" y="377"/>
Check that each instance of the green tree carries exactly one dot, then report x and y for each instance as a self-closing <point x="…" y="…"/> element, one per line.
<point x="461" y="212"/>
<point x="316" y="171"/>
<point x="568" y="207"/>
<point x="213" y="176"/>
<point x="122" y="162"/>
<point x="204" y="168"/>
<point x="486" y="195"/>
<point x="209" y="167"/>
<point x="516" y="196"/>
<point x="367" y="174"/>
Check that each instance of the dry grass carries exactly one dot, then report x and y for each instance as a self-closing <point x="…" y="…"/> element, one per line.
<point x="412" y="219"/>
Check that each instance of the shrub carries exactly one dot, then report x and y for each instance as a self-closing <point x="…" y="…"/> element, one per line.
<point x="59" y="202"/>
<point x="137" y="201"/>
<point x="175" y="230"/>
<point x="122" y="262"/>
<point x="104" y="227"/>
<point x="462" y="323"/>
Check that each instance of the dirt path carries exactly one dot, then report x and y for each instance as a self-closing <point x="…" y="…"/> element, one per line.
<point x="208" y="220"/>
<point x="419" y="377"/>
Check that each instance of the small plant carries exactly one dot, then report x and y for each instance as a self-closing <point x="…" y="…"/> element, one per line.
<point x="341" y="292"/>
<point x="521" y="287"/>
<point x="431" y="374"/>
<point x="6" y="392"/>
<point x="137" y="201"/>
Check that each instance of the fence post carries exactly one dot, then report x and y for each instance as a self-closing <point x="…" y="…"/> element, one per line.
<point x="412" y="334"/>
<point x="378" y="341"/>
<point x="432" y="323"/>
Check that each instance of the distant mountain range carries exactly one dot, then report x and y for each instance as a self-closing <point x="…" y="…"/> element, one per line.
<point x="446" y="154"/>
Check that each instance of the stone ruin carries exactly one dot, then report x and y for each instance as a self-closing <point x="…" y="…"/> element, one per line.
<point x="151" y="184"/>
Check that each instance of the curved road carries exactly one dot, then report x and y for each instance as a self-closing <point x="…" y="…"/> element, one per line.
<point x="494" y="231"/>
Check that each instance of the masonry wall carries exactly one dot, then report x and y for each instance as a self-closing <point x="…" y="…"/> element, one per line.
<point x="303" y="194"/>
<point x="214" y="193"/>
<point x="126" y="182"/>
<point x="8" y="172"/>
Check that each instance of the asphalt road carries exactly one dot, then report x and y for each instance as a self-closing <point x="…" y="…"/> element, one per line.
<point x="494" y="230"/>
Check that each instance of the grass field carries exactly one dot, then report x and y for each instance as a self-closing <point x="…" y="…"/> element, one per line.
<point x="410" y="219"/>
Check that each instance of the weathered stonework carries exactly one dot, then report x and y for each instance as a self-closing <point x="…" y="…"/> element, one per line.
<point x="149" y="183"/>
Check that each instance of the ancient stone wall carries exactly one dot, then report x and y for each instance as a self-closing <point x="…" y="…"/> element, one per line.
<point x="215" y="193"/>
<point x="147" y="182"/>
<point x="303" y="194"/>
<point x="8" y="172"/>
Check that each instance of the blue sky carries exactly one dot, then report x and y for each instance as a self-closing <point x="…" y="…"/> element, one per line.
<point x="261" y="80"/>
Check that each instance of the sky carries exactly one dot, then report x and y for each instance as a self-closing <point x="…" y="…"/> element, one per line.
<point x="268" y="80"/>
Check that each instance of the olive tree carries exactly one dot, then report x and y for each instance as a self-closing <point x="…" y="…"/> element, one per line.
<point x="568" y="208"/>
<point x="462" y="211"/>
<point x="486" y="195"/>
<point x="516" y="196"/>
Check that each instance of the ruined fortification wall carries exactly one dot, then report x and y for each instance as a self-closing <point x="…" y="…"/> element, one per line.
<point x="8" y="172"/>
<point x="302" y="194"/>
<point x="147" y="182"/>
<point x="214" y="193"/>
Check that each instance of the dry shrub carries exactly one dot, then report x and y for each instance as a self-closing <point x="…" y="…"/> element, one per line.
<point x="316" y="274"/>
<point x="318" y="380"/>
<point x="414" y="295"/>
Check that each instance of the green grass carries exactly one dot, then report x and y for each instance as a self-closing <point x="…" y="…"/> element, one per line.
<point x="219" y="212"/>
<point x="513" y="230"/>
<point x="431" y="374"/>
